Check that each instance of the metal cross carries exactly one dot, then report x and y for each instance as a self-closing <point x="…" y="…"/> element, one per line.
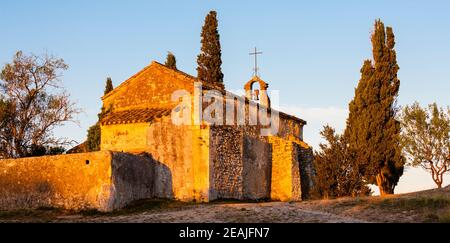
<point x="256" y="53"/>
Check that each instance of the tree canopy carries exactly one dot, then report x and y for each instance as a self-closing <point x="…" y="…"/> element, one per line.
<point x="210" y="59"/>
<point x="109" y="86"/>
<point x="337" y="172"/>
<point x="372" y="129"/>
<point x="426" y="139"/>
<point x="171" y="61"/>
<point x="32" y="104"/>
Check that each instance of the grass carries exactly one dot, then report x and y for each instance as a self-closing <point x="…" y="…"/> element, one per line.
<point x="142" y="206"/>
<point x="436" y="202"/>
<point x="42" y="213"/>
<point x="431" y="206"/>
<point x="445" y="217"/>
<point x="235" y="201"/>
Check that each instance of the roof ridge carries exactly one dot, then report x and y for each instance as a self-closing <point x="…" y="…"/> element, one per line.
<point x="176" y="70"/>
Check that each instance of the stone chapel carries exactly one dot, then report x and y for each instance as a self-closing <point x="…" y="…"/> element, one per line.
<point x="204" y="162"/>
<point x="145" y="154"/>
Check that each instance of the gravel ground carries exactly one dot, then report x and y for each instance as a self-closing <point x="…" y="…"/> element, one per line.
<point x="426" y="206"/>
<point x="274" y="212"/>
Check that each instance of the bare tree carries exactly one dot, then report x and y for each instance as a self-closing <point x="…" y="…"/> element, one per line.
<point x="32" y="104"/>
<point x="426" y="139"/>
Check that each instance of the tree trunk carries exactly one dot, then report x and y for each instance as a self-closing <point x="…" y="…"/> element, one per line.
<point x="437" y="177"/>
<point x="384" y="185"/>
<point x="439" y="184"/>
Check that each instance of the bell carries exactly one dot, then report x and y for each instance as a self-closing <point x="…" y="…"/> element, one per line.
<point x="257" y="94"/>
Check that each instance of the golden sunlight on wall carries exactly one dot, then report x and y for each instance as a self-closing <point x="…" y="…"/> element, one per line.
<point x="124" y="137"/>
<point x="74" y="181"/>
<point x="285" y="171"/>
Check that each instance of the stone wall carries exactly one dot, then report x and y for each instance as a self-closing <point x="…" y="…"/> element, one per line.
<point x="285" y="171"/>
<point x="124" y="137"/>
<point x="181" y="154"/>
<point x="241" y="163"/>
<point x="204" y="162"/>
<point x="103" y="180"/>
<point x="133" y="178"/>
<point x="290" y="127"/>
<point x="184" y="150"/>
<point x="226" y="152"/>
<point x="296" y="176"/>
<point x="305" y="157"/>
<point x="257" y="172"/>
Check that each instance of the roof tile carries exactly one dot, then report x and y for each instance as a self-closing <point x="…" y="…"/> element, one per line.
<point x="134" y="116"/>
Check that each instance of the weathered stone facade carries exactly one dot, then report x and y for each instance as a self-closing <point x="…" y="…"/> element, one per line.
<point x="190" y="162"/>
<point x="206" y="161"/>
<point x="101" y="180"/>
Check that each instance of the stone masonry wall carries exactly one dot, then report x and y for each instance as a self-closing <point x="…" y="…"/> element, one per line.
<point x="226" y="151"/>
<point x="257" y="172"/>
<point x="180" y="153"/>
<point x="241" y="163"/>
<point x="285" y="171"/>
<point x="103" y="180"/>
<point x="133" y="178"/>
<point x="204" y="162"/>
<point x="183" y="153"/>
<point x="305" y="157"/>
<point x="297" y="182"/>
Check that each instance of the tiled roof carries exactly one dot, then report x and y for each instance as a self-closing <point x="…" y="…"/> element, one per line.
<point x="149" y="70"/>
<point x="155" y="68"/>
<point x="134" y="116"/>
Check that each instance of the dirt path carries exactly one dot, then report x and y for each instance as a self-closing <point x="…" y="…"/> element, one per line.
<point x="224" y="213"/>
<point x="426" y="206"/>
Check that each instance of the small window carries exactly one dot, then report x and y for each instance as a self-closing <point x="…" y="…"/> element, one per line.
<point x="87" y="162"/>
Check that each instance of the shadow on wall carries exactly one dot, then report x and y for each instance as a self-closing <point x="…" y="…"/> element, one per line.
<point x="135" y="180"/>
<point x="306" y="157"/>
<point x="163" y="181"/>
<point x="257" y="169"/>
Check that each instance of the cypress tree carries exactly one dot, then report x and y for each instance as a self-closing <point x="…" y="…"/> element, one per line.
<point x="171" y="61"/>
<point x="94" y="132"/>
<point x="210" y="59"/>
<point x="94" y="138"/>
<point x="109" y="86"/>
<point x="372" y="129"/>
<point x="336" y="173"/>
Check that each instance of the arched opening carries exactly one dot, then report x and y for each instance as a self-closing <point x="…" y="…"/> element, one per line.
<point x="255" y="90"/>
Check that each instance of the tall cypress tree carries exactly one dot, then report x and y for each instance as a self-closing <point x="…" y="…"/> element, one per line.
<point x="372" y="130"/>
<point x="210" y="59"/>
<point x="171" y="61"/>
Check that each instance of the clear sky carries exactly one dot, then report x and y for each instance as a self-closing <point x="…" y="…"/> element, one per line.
<point x="313" y="50"/>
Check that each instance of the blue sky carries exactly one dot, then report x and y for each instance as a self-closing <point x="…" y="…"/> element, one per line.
<point x="313" y="50"/>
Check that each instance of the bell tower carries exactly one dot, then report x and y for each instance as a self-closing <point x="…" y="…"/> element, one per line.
<point x="257" y="95"/>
